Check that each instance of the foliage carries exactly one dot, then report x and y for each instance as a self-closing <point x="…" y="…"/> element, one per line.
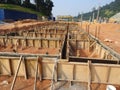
<point x="106" y="11"/>
<point x="19" y="8"/>
<point x="42" y="6"/>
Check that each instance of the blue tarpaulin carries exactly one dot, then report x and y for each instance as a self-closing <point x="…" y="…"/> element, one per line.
<point x="6" y="14"/>
<point x="1" y="14"/>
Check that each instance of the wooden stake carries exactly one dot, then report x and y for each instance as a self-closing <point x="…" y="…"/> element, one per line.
<point x="25" y="68"/>
<point x="36" y="73"/>
<point x="89" y="75"/>
<point x="14" y="79"/>
<point x="40" y="68"/>
<point x="10" y="66"/>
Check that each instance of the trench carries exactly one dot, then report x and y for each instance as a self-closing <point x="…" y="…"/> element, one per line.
<point x="68" y="53"/>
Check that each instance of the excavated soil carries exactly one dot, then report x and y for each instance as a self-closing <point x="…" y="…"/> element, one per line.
<point x="23" y="84"/>
<point x="30" y="50"/>
<point x="108" y="33"/>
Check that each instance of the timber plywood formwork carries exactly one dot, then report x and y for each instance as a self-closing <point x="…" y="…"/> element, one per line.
<point x="55" y="56"/>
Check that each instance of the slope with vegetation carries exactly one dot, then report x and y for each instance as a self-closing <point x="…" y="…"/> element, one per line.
<point x="43" y="7"/>
<point x="105" y="12"/>
<point x="19" y="8"/>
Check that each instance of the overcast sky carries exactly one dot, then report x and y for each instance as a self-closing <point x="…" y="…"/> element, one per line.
<point x="73" y="7"/>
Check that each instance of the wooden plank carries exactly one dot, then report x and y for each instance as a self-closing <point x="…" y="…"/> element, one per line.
<point x="108" y="74"/>
<point x="56" y="68"/>
<point x="14" y="79"/>
<point x="89" y="75"/>
<point x="31" y="38"/>
<point x="10" y="54"/>
<point x="10" y="66"/>
<point x="40" y="68"/>
<point x="36" y="73"/>
<point x="25" y="68"/>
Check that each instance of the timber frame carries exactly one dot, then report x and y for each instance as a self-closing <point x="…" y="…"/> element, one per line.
<point x="68" y="39"/>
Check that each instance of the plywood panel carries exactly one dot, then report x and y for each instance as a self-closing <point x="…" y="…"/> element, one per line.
<point x="52" y="44"/>
<point x="114" y="75"/>
<point x="15" y="63"/>
<point x="99" y="74"/>
<point x="65" y="72"/>
<point x="37" y="43"/>
<point x="31" y="67"/>
<point x="44" y="43"/>
<point x="4" y="66"/>
<point x="47" y="70"/>
<point x="81" y="73"/>
<point x="29" y="42"/>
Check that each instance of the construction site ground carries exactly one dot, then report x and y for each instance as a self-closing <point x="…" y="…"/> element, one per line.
<point x="108" y="33"/>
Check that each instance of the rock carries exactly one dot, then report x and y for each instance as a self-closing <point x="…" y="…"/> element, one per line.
<point x="4" y="83"/>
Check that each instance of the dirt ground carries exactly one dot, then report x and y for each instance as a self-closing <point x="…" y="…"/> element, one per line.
<point x="31" y="50"/>
<point x="108" y="33"/>
<point x="23" y="84"/>
<point x="6" y="82"/>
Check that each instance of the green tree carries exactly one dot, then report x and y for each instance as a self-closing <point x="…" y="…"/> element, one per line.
<point x="48" y="7"/>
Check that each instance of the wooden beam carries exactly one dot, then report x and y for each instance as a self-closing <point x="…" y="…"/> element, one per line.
<point x="25" y="68"/>
<point x="11" y="54"/>
<point x="108" y="74"/>
<point x="89" y="75"/>
<point x="56" y="68"/>
<point x="10" y="66"/>
<point x="32" y="38"/>
<point x="36" y="73"/>
<point x="40" y="68"/>
<point x="74" y="71"/>
<point x="14" y="79"/>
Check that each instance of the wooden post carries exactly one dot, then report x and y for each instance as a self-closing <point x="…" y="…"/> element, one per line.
<point x="14" y="79"/>
<point x="40" y="68"/>
<point x="96" y="32"/>
<point x="56" y="71"/>
<point x="88" y="29"/>
<point x="74" y="71"/>
<point x="99" y="32"/>
<point x="36" y="73"/>
<point x="25" y="68"/>
<point x="10" y="66"/>
<point x="89" y="75"/>
<point x="41" y="43"/>
<point x="56" y="44"/>
<point x="48" y="43"/>
<point x="33" y="41"/>
<point x="108" y="74"/>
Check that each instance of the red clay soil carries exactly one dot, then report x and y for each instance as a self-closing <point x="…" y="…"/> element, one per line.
<point x="102" y="87"/>
<point x="109" y="33"/>
<point x="31" y="50"/>
<point x="86" y="53"/>
<point x="23" y="84"/>
<point x="21" y="25"/>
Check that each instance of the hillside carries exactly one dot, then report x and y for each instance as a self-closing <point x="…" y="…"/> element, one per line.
<point x="19" y="8"/>
<point x="106" y="11"/>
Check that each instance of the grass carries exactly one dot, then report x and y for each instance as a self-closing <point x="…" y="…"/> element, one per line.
<point x="19" y="8"/>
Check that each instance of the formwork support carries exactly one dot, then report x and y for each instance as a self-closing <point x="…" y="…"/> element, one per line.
<point x="54" y="75"/>
<point x="89" y="75"/>
<point x="10" y="66"/>
<point x="36" y="74"/>
<point x="25" y="68"/>
<point x="40" y="68"/>
<point x="14" y="79"/>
